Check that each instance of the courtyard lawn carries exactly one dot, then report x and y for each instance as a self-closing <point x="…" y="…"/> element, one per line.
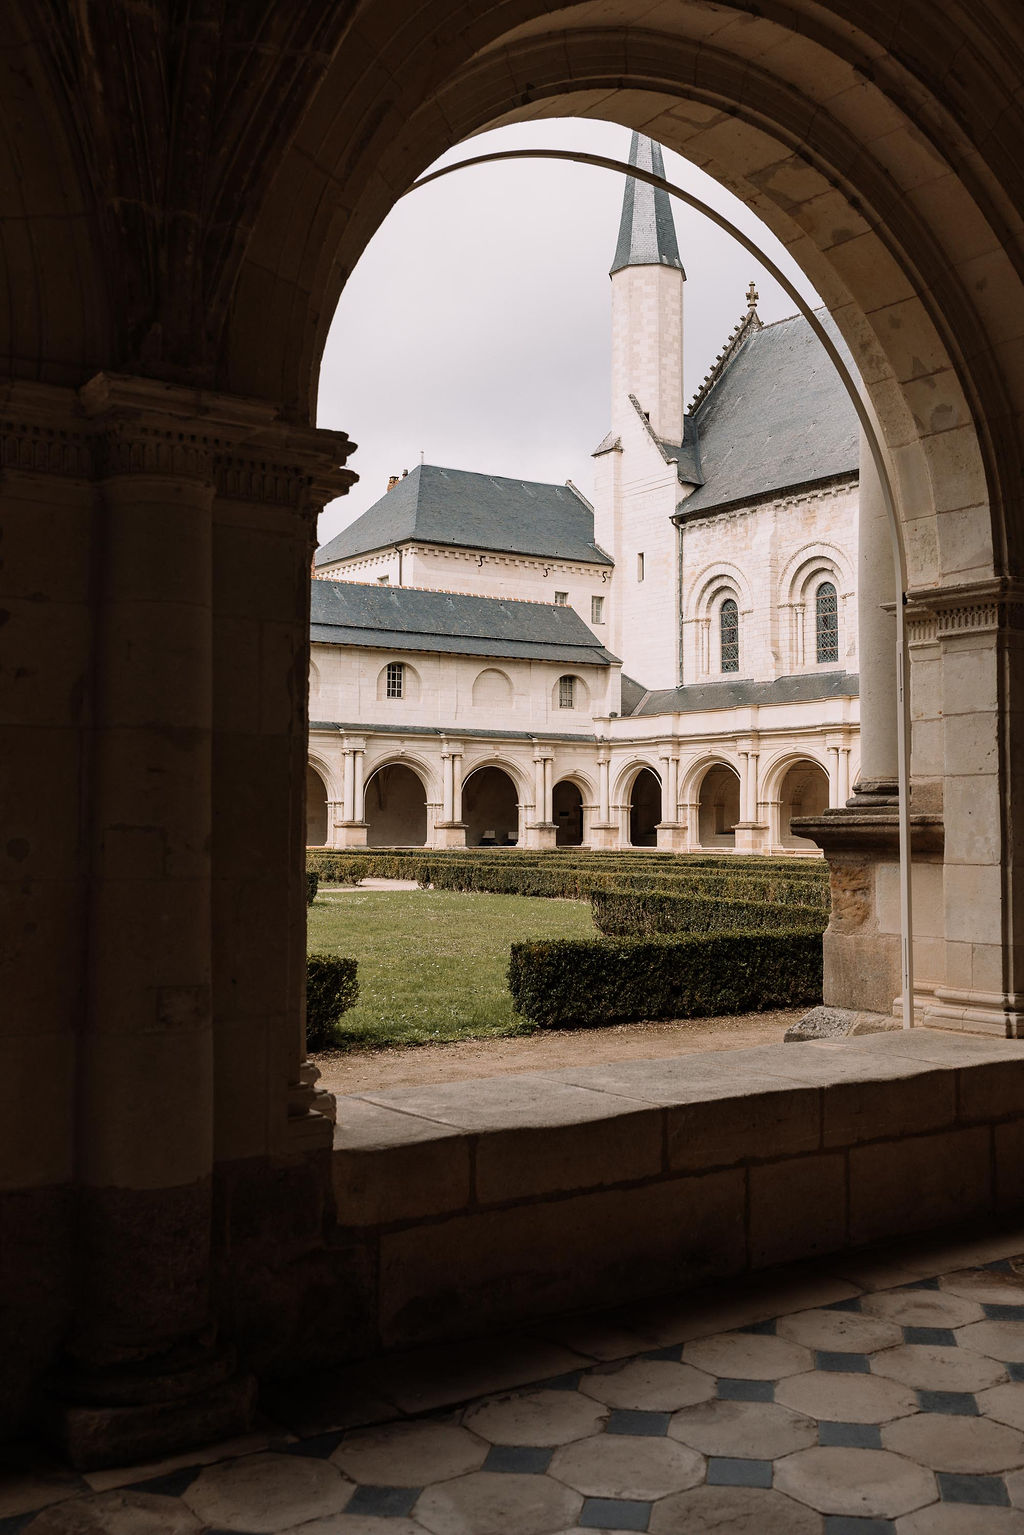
<point x="432" y="964"/>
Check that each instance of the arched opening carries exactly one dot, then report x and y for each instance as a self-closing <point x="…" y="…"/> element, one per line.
<point x="804" y="791"/>
<point x="490" y="809"/>
<point x="719" y="807"/>
<point x="395" y="808"/>
<point x="316" y="809"/>
<point x="567" y="810"/>
<point x="644" y="809"/>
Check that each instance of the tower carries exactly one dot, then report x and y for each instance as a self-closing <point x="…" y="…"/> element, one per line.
<point x="647" y="303"/>
<point x="636" y="483"/>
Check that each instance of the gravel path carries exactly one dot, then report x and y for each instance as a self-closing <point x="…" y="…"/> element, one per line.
<point x="371" y="1070"/>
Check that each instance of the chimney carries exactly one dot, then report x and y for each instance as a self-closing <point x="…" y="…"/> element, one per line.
<point x="392" y="481"/>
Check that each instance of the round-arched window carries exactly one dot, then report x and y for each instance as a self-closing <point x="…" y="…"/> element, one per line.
<point x="729" y="632"/>
<point x="826" y="623"/>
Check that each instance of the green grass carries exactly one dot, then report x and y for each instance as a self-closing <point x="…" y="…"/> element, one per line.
<point x="433" y="964"/>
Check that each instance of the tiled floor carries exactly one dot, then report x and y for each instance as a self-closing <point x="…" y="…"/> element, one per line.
<point x="880" y="1393"/>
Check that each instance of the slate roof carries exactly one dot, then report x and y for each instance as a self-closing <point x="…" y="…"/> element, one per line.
<point x="457" y="507"/>
<point x="696" y="697"/>
<point x="777" y="417"/>
<point x="647" y="233"/>
<point x="410" y="618"/>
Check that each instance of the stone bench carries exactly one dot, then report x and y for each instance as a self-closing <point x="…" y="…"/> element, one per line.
<point x="481" y="1205"/>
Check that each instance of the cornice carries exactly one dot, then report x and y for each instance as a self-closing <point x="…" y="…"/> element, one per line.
<point x="976" y="607"/>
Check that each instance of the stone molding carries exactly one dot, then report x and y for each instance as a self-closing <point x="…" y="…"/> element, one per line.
<point x="853" y="830"/>
<point x="980" y="607"/>
<point x="118" y="424"/>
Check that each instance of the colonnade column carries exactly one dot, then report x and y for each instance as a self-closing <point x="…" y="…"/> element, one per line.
<point x="603" y="832"/>
<point x="542" y="831"/>
<point x="144" y="1335"/>
<point x="353" y="820"/>
<point x="456" y="759"/>
<point x="670" y="833"/>
<point x="834" y="793"/>
<point x="449" y="829"/>
<point x="447" y="787"/>
<point x="358" y="797"/>
<point x="348" y="783"/>
<point x="749" y="832"/>
<point x="876" y="623"/>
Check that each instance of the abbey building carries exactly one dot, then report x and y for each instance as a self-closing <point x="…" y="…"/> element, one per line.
<point x="671" y="663"/>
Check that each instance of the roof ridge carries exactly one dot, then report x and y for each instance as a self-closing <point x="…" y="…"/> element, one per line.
<point x="750" y="324"/>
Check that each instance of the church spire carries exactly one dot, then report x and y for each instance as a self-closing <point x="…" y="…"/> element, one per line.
<point x="647" y="233"/>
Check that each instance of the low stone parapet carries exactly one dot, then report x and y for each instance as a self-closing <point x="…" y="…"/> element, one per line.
<point x="482" y="1205"/>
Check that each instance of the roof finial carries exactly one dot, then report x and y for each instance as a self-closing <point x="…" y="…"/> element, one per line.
<point x="647" y="233"/>
<point x="751" y="298"/>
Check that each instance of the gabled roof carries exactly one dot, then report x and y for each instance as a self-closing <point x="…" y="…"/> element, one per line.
<point x="457" y="508"/>
<point x="775" y="417"/>
<point x="410" y="618"/>
<point x="647" y="234"/>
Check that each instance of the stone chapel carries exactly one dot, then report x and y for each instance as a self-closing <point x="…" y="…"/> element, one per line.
<point x="671" y="664"/>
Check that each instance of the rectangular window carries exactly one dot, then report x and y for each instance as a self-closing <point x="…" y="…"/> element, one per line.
<point x="396" y="680"/>
<point x="567" y="692"/>
<point x="561" y="599"/>
<point x="597" y="610"/>
<point x="639" y="567"/>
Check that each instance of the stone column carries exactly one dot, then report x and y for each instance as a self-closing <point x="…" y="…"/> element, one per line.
<point x="348" y="783"/>
<point x="876" y="587"/>
<point x="352" y="832"/>
<point x="844" y="774"/>
<point x="670" y="833"/>
<point x="543" y="831"/>
<point x="835" y="798"/>
<point x="358" y="801"/>
<point x="449" y="828"/>
<point x="603" y="831"/>
<point x="144" y="1367"/>
<point x="749" y="831"/>
<point x="457" y="786"/>
<point x="447" y="791"/>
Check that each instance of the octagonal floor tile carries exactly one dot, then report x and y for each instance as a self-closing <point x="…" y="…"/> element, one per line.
<point x="757" y="1430"/>
<point x="621" y="1466"/>
<point x="495" y="1503"/>
<point x="748" y="1356"/>
<point x="116" y="1513"/>
<point x="654" y="1385"/>
<point x="945" y="1443"/>
<point x="537" y="1418"/>
<point x="989" y="1287"/>
<point x="839" y="1398"/>
<point x="961" y="1519"/>
<point x="409" y="1454"/>
<point x="1004" y="1403"/>
<point x="999" y="1340"/>
<point x="867" y="1484"/>
<point x="733" y="1511"/>
<point x="260" y="1494"/>
<point x="938" y="1367"/>
<point x="839" y="1332"/>
<point x="921" y="1308"/>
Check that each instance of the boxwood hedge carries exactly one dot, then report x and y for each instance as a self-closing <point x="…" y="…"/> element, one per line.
<point x="331" y="989"/>
<point x="644" y="914"/>
<point x="575" y="983"/>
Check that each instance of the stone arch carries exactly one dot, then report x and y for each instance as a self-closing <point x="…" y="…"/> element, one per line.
<point x="490" y="806"/>
<point x="317" y="827"/>
<point x="422" y="766"/>
<point x="644" y="808"/>
<point x="718" y="805"/>
<point x="395" y="806"/>
<point x="492" y="688"/>
<point x="801" y="579"/>
<point x="567" y="812"/>
<point x="802" y="790"/>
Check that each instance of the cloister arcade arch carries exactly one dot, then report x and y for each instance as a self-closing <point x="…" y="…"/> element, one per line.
<point x="804" y="791"/>
<point x="567" y="813"/>
<point x="644" y="808"/>
<point x="316" y="808"/>
<point x="172" y="382"/>
<point x="718" y="806"/>
<point x="490" y="808"/>
<point x="395" y="807"/>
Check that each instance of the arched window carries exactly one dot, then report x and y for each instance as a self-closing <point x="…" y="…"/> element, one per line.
<point x="567" y="692"/>
<point x="395" y="687"/>
<point x="729" y="630"/>
<point x="826" y="623"/>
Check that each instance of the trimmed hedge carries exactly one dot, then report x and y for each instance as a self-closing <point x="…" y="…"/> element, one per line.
<point x="575" y="983"/>
<point x="645" y="914"/>
<point x="312" y="886"/>
<point x="331" y="989"/>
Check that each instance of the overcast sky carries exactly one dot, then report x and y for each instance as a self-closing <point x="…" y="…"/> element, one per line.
<point x="475" y="328"/>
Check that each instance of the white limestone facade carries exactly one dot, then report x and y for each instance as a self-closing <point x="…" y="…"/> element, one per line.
<point x="673" y="665"/>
